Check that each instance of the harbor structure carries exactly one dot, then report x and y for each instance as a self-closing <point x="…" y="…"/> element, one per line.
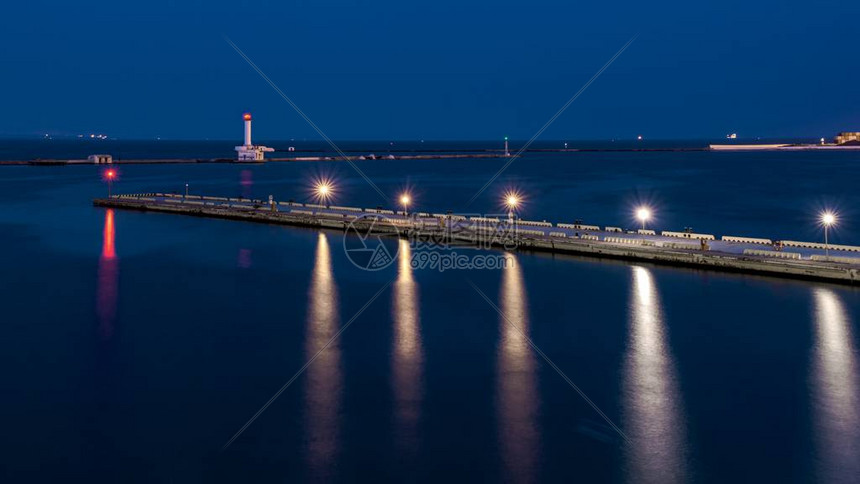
<point x="848" y="140"/>
<point x="848" y="137"/>
<point x="780" y="258"/>
<point x="100" y="159"/>
<point x="249" y="151"/>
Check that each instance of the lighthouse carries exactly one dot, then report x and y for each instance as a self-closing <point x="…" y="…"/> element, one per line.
<point x="247" y="118"/>
<point x="249" y="152"/>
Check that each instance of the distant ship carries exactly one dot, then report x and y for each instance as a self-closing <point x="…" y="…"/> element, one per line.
<point x="732" y="136"/>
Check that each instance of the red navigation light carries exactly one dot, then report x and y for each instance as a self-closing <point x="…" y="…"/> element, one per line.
<point x="247" y="117"/>
<point x="110" y="174"/>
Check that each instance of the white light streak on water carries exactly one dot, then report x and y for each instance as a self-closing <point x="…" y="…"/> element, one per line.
<point x="324" y="377"/>
<point x="517" y="392"/>
<point x="836" y="404"/>
<point x="653" y="414"/>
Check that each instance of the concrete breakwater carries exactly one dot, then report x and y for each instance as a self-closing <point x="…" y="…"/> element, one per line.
<point x="173" y="161"/>
<point x="752" y="255"/>
<point x="351" y="155"/>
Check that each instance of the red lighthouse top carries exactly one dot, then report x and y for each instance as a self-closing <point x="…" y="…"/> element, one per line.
<point x="247" y="117"/>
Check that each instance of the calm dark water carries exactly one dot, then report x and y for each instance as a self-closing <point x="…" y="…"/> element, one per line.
<point x="136" y="345"/>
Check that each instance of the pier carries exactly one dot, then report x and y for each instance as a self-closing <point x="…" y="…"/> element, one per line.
<point x="754" y="255"/>
<point x="299" y="156"/>
<point x="293" y="159"/>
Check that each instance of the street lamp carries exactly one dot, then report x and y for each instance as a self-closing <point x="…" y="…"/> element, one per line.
<point x="512" y="201"/>
<point x="109" y="176"/>
<point x="827" y="219"/>
<point x="324" y="191"/>
<point x="643" y="214"/>
<point x="405" y="199"/>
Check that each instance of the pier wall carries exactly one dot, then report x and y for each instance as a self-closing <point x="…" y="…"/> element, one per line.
<point x="672" y="253"/>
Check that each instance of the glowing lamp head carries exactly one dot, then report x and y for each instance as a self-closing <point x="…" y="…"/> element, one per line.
<point x="643" y="214"/>
<point x="828" y="219"/>
<point x="323" y="189"/>
<point x="110" y="174"/>
<point x="512" y="201"/>
<point x="247" y="116"/>
<point x="405" y="199"/>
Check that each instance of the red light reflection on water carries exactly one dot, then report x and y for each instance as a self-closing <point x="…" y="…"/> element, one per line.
<point x="108" y="235"/>
<point x="246" y="180"/>
<point x="108" y="278"/>
<point x="244" y="260"/>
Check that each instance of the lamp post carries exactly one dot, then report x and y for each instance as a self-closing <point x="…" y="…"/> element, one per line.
<point x="643" y="214"/>
<point x="110" y="175"/>
<point x="827" y="219"/>
<point x="324" y="191"/>
<point x="405" y="199"/>
<point x="186" y="190"/>
<point x="511" y="201"/>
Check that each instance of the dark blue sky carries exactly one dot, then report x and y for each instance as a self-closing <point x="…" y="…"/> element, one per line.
<point x="431" y="69"/>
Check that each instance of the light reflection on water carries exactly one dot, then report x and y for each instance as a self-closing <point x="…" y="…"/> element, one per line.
<point x="108" y="279"/>
<point x="653" y="412"/>
<point x="148" y="246"/>
<point x="243" y="260"/>
<point x="323" y="377"/>
<point x="836" y="404"/>
<point x="407" y="354"/>
<point x="246" y="181"/>
<point x="517" y="392"/>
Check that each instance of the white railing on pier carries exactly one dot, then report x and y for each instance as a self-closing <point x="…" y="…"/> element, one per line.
<point x="772" y="253"/>
<point x="534" y="223"/>
<point x="623" y="240"/>
<point x="687" y="235"/>
<point x="346" y="209"/>
<point x="832" y="258"/>
<point x="746" y="240"/>
<point x="578" y="227"/>
<point x="818" y="245"/>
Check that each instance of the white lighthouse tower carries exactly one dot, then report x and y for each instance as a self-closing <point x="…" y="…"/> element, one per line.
<point x="249" y="152"/>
